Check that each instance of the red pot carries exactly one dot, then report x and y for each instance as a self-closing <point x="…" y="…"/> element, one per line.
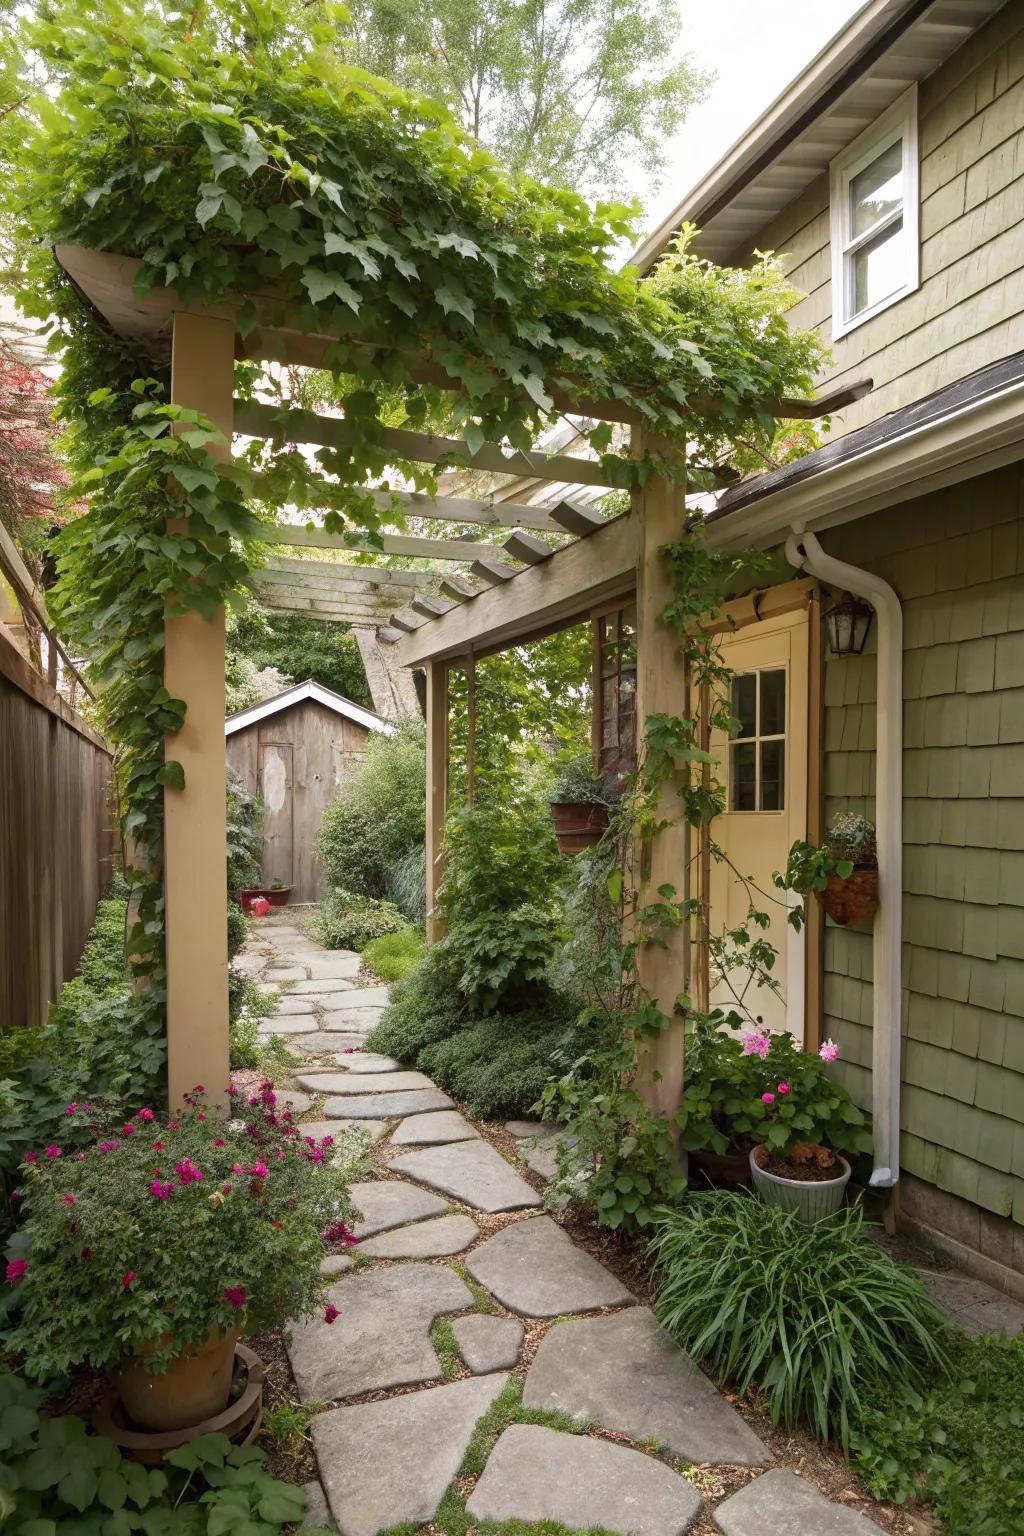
<point x="853" y="900"/>
<point x="273" y="895"/>
<point x="578" y="825"/>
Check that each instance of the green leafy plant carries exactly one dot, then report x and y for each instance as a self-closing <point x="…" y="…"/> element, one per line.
<point x="55" y="1475"/>
<point x="371" y="834"/>
<point x="849" y="844"/>
<point x="815" y="1316"/>
<point x="394" y="955"/>
<point x="286" y="1424"/>
<point x="348" y="920"/>
<point x="578" y="784"/>
<point x="244" y="834"/>
<point x="762" y="1087"/>
<point x="501" y="959"/>
<point x="105" y="1230"/>
<point x="851" y="838"/>
<point x="954" y="1444"/>
<point x="276" y="650"/>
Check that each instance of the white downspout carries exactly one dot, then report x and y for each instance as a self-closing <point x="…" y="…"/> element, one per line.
<point x="803" y="549"/>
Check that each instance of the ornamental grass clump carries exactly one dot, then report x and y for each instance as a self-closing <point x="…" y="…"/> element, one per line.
<point x="162" y="1230"/>
<point x="814" y="1316"/>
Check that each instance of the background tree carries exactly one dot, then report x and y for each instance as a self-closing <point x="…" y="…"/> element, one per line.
<point x="271" y="651"/>
<point x="580" y="92"/>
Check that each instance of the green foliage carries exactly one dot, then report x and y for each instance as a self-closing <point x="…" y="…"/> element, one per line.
<point x="244" y="834"/>
<point x="723" y="1108"/>
<point x="238" y="929"/>
<point x="347" y="920"/>
<point x="376" y="826"/>
<point x="247" y="1005"/>
<point x="573" y="91"/>
<point x="851" y="837"/>
<point x="394" y="955"/>
<point x="578" y="784"/>
<point x="809" y="869"/>
<point x="297" y="647"/>
<point x="813" y="1315"/>
<point x="286" y="1424"/>
<point x="54" y="1475"/>
<point x="956" y="1445"/>
<point x="105" y="1233"/>
<point x="102" y="970"/>
<point x="500" y="851"/>
<point x="501" y="959"/>
<point x="405" y="883"/>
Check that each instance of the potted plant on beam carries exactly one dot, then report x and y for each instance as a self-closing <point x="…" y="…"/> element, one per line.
<point x="843" y="872"/>
<point x="149" y="1253"/>
<point x="580" y="802"/>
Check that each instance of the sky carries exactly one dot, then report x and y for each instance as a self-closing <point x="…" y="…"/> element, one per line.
<point x="755" y="47"/>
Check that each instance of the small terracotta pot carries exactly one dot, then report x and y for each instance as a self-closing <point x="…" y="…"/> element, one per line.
<point x="578" y="824"/>
<point x="853" y="900"/>
<point x="725" y="1170"/>
<point x="193" y="1388"/>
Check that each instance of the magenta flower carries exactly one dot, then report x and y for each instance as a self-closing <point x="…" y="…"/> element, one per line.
<point x="201" y="1115"/>
<point x="234" y="1295"/>
<point x="260" y="1170"/>
<point x="783" y="1088"/>
<point x="767" y="1098"/>
<point x="79" y="1157"/>
<point x="757" y="1042"/>
<point x="227" y="1189"/>
<point x="187" y="1171"/>
<point x="145" y="1114"/>
<point x="17" y="1269"/>
<point x="128" y="1130"/>
<point x="173" y="1125"/>
<point x="828" y="1050"/>
<point x="53" y="1152"/>
<point x="219" y="1141"/>
<point x="337" y="1232"/>
<point x="328" y="1141"/>
<point x="330" y="1312"/>
<point x="161" y="1191"/>
<point x="198" y="1088"/>
<point x="159" y="1146"/>
<point x="233" y="1091"/>
<point x="31" y="1157"/>
<point x="348" y="1050"/>
<point x="71" y="1109"/>
<point x="68" y="1200"/>
<point x="237" y="1168"/>
<point x="128" y="1279"/>
<point x="108" y="1146"/>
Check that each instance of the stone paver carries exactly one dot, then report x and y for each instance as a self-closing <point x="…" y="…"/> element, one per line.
<point x="288" y="1004"/>
<point x="341" y="964"/>
<point x="540" y="1155"/>
<point x="287" y="1023"/>
<point x="286" y="973"/>
<point x="624" y="1373"/>
<point x="374" y="1082"/>
<point x="539" y="1474"/>
<point x="372" y="1480"/>
<point x="488" y="1343"/>
<point x="386" y="1203"/>
<point x="977" y="1307"/>
<point x="782" y="1504"/>
<point x="365" y="1061"/>
<point x="337" y="1264"/>
<point x="430" y="1130"/>
<point x="321" y="1042"/>
<point x="386" y="1106"/>
<point x="367" y="997"/>
<point x="523" y="1128"/>
<point x="473" y="1172"/>
<point x="337" y="1128"/>
<point x="535" y="1268"/>
<point x="318" y="1513"/>
<point x="298" y="1103"/>
<point x="382" y="1336"/>
<point x="325" y="987"/>
<point x="435" y="1239"/>
<point x="351" y="1020"/>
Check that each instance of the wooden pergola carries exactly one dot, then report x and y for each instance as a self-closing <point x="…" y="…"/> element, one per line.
<point x="434" y="623"/>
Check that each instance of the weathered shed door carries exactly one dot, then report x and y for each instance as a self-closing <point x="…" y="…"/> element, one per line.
<point x="764" y="770"/>
<point x="276" y="784"/>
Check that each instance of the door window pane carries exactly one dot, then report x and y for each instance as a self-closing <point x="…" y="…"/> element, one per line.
<point x="773" y="702"/>
<point x="744" y="703"/>
<point x="877" y="190"/>
<point x="773" y="775"/>
<point x="757" y="753"/>
<point x="743" y="776"/>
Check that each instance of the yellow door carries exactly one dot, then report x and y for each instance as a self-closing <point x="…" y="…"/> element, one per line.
<point x="764" y="770"/>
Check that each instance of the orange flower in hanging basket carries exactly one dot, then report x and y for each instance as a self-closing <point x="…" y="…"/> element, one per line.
<point x="854" y="899"/>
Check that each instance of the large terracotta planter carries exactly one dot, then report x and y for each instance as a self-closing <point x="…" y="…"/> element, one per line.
<point x="277" y="895"/>
<point x="578" y="824"/>
<point x="809" y="1199"/>
<point x="193" y="1389"/>
<point x="853" y="900"/>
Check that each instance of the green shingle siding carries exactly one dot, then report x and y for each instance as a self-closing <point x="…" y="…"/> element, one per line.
<point x="955" y="558"/>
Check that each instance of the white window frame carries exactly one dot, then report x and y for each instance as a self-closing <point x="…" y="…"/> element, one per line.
<point x="757" y="739"/>
<point x="899" y="122"/>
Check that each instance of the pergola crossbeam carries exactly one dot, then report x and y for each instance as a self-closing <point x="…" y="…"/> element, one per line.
<point x="494" y="572"/>
<point x="403" y="544"/>
<point x="531" y="551"/>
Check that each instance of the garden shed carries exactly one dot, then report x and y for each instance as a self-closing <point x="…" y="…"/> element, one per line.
<point x="295" y="751"/>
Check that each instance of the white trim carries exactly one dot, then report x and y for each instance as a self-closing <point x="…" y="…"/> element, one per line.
<point x="898" y="124"/>
<point x="296" y="695"/>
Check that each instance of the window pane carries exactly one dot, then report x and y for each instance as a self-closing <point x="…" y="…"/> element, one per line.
<point x="879" y="268"/>
<point x="773" y="702"/>
<point x="877" y="191"/>
<point x="743" y="777"/>
<point x="744" y="703"/>
<point x="773" y="775"/>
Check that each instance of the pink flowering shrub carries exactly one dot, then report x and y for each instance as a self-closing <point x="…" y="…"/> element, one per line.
<point x="166" y="1229"/>
<point x="762" y="1088"/>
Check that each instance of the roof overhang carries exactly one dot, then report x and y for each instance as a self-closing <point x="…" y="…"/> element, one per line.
<point x="296" y="695"/>
<point x="879" y="54"/>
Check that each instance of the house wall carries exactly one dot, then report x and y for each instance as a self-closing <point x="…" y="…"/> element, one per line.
<point x="969" y="309"/>
<point x="319" y="749"/>
<point x="956" y="559"/>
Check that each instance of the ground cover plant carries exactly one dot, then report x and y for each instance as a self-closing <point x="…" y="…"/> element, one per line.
<point x="394" y="955"/>
<point x="348" y="920"/>
<point x="814" y="1316"/>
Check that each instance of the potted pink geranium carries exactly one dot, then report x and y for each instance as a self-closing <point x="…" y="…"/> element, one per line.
<point x="153" y="1249"/>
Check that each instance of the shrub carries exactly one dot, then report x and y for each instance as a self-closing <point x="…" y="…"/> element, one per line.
<point x="105" y="1234"/>
<point x="394" y="955"/>
<point x="102" y="970"/>
<point x="379" y="818"/>
<point x="244" y="834"/>
<point x="956" y="1446"/>
<point x="501" y="958"/>
<point x="814" y="1315"/>
<point x="238" y="928"/>
<point x="347" y="920"/>
<point x="405" y="883"/>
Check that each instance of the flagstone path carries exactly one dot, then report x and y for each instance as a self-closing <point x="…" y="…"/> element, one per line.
<point x="449" y="1230"/>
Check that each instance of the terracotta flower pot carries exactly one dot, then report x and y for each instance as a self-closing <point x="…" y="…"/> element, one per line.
<point x="194" y="1387"/>
<point x="578" y="824"/>
<point x="277" y="895"/>
<point x="810" y="1199"/>
<point x="852" y="900"/>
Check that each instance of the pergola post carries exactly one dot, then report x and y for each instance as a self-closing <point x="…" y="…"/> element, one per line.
<point x="195" y="852"/>
<point x="437" y="789"/>
<point x="663" y="968"/>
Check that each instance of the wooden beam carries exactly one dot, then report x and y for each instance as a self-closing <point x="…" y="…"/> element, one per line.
<point x="457" y="589"/>
<point x="543" y="598"/>
<point x="430" y="607"/>
<point x="488" y="511"/>
<point x="494" y="572"/>
<point x="765" y="603"/>
<point x="285" y="600"/>
<point x="662" y="688"/>
<point x="390" y="544"/>
<point x="202" y="378"/>
<point x="575" y="518"/>
<point x="531" y="551"/>
<point x="404" y="624"/>
<point x="437" y="790"/>
<point x="334" y="575"/>
<point x="334" y="432"/>
<point x="470" y="728"/>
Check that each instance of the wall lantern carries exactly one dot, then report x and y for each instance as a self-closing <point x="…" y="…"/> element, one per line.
<point x="847" y="623"/>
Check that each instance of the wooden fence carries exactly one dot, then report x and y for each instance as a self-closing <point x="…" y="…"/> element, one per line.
<point x="58" y="838"/>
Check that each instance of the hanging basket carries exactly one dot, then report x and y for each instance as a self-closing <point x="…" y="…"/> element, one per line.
<point x="579" y="824"/>
<point x="854" y="899"/>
